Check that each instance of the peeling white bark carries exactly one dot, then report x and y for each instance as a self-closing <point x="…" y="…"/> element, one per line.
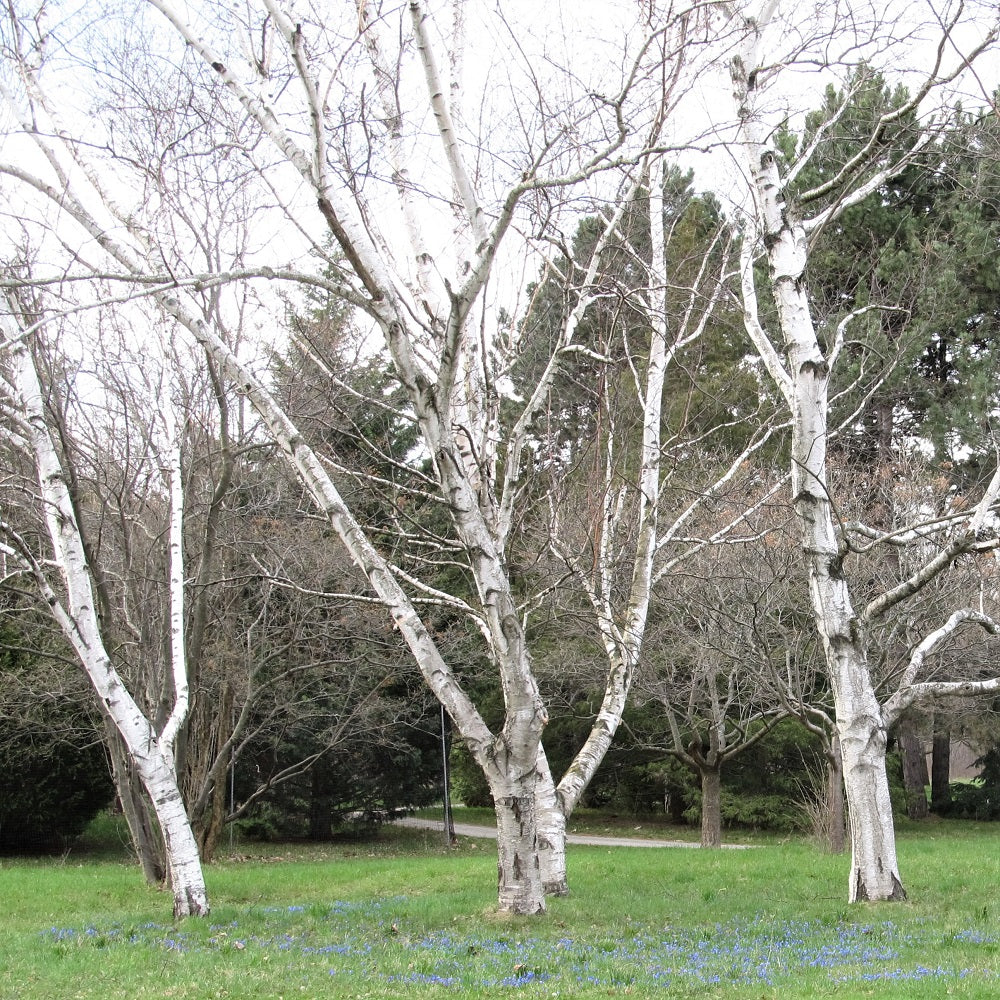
<point x="910" y="691"/>
<point x="178" y="649"/>
<point x="509" y="755"/>
<point x="622" y="627"/>
<point x="804" y="380"/>
<point x="551" y="819"/>
<point x="622" y="642"/>
<point x="519" y="877"/>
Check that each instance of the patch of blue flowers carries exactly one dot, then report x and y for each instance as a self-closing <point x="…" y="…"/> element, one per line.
<point x="368" y="940"/>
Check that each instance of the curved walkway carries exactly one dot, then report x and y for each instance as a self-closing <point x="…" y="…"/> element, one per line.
<point x="490" y="833"/>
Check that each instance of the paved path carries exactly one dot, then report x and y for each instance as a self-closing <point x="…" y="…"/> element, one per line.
<point x="490" y="833"/>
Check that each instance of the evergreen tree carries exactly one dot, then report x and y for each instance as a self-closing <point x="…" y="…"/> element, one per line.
<point x="919" y="252"/>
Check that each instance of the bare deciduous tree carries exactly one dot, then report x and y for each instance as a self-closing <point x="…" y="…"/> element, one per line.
<point x="59" y="566"/>
<point x="803" y="364"/>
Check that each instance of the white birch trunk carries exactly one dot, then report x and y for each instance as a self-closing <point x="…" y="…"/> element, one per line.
<point x="874" y="871"/>
<point x="509" y="759"/>
<point x="184" y="871"/>
<point x="439" y="350"/>
<point x="551" y="819"/>
<point x="511" y="754"/>
<point x="78" y="620"/>
<point x="178" y="650"/>
<point x="519" y="877"/>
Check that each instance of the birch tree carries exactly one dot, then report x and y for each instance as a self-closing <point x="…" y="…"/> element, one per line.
<point x="107" y="447"/>
<point x="802" y="364"/>
<point x="61" y="575"/>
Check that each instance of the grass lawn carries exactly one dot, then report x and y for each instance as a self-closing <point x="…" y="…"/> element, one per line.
<point x="404" y="916"/>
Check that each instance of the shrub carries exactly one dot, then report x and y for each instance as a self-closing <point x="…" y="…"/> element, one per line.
<point x="468" y="783"/>
<point x="54" y="774"/>
<point x="979" y="798"/>
<point x="49" y="788"/>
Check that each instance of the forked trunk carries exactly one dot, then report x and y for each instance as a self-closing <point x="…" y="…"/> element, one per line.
<point x="803" y="377"/>
<point x="874" y="871"/>
<point x="711" y="806"/>
<point x="622" y="635"/>
<point x="151" y="754"/>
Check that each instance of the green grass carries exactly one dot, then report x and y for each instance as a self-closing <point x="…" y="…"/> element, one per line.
<point x="405" y="917"/>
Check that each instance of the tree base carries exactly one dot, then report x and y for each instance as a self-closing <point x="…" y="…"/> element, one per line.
<point x="190" y="903"/>
<point x="897" y="894"/>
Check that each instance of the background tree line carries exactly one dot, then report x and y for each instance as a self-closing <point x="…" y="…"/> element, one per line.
<point x="310" y="762"/>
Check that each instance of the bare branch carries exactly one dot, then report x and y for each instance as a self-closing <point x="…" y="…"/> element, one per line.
<point x="910" y="692"/>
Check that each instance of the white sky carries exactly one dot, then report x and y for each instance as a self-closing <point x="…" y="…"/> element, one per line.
<point x="523" y="70"/>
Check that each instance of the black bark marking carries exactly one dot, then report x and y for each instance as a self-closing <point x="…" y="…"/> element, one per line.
<point x="860" y="891"/>
<point x="186" y="904"/>
<point x="818" y="369"/>
<point x="340" y="235"/>
<point x="511" y="627"/>
<point x="854" y="631"/>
